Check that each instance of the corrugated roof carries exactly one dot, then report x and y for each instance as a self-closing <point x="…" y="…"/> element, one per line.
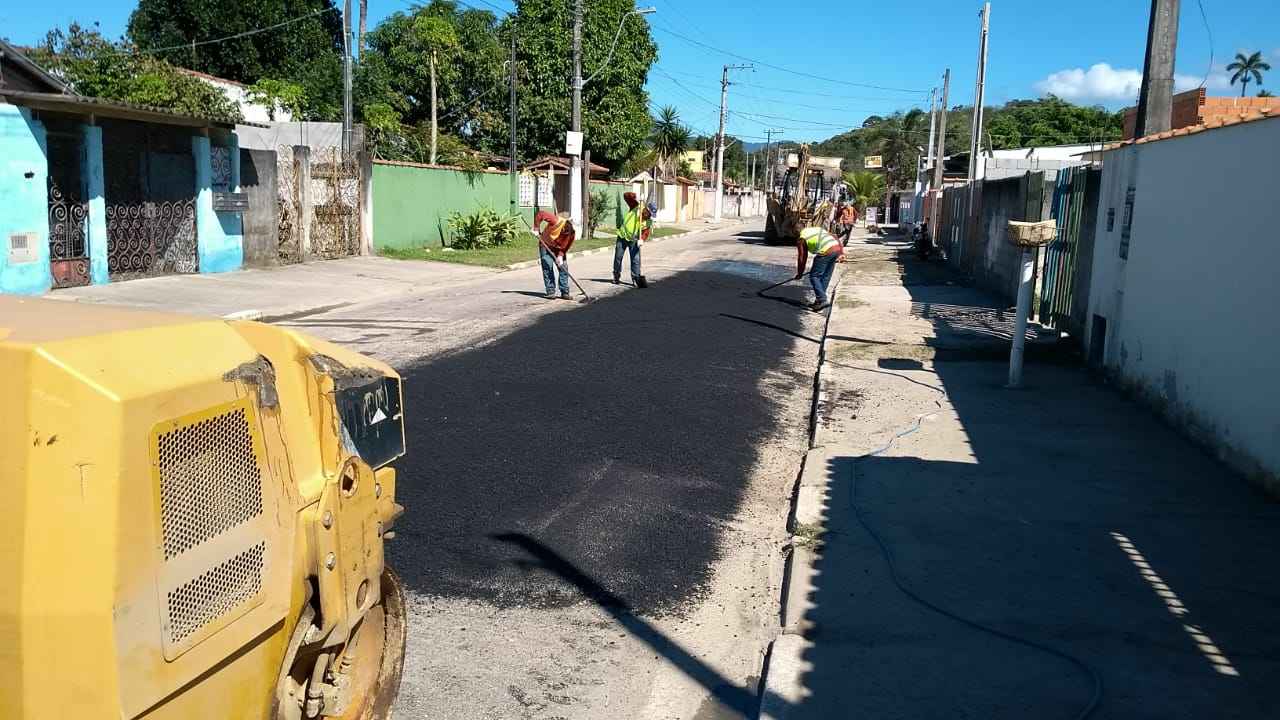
<point x="81" y="104"/>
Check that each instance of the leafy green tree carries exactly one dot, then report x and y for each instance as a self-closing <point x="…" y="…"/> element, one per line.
<point x="435" y="37"/>
<point x="279" y="96"/>
<point x="615" y="106"/>
<point x="897" y="139"/>
<point x="1248" y="68"/>
<point x="306" y="52"/>
<point x="396" y="71"/>
<point x="97" y="67"/>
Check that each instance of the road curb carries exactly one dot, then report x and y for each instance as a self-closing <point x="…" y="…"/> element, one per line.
<point x="784" y="667"/>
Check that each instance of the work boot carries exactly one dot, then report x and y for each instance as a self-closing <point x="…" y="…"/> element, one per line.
<point x="617" y="279"/>
<point x="550" y="295"/>
<point x="641" y="282"/>
<point x="818" y="304"/>
<point x="564" y="295"/>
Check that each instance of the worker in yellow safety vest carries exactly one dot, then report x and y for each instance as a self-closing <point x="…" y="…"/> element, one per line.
<point x="631" y="234"/>
<point x="826" y="251"/>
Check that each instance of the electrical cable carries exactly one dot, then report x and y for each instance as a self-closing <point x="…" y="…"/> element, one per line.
<point x="1205" y="18"/>
<point x="247" y="33"/>
<point x="1096" y="696"/>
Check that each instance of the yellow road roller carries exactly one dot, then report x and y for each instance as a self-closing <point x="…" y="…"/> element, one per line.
<point x="193" y="519"/>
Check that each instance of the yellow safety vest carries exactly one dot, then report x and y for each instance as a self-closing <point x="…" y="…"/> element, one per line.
<point x="817" y="240"/>
<point x="631" y="224"/>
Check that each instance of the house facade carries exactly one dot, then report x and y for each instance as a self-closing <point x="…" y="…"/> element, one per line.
<point x="95" y="191"/>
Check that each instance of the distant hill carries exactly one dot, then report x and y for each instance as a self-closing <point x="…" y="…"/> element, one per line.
<point x="757" y="146"/>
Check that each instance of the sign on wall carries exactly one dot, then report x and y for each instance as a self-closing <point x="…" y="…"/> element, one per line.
<point x="873" y="162"/>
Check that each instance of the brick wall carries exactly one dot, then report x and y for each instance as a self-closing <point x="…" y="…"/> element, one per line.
<point x="1194" y="108"/>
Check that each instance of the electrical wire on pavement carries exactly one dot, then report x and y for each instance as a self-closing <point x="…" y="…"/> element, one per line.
<point x="1094" y="699"/>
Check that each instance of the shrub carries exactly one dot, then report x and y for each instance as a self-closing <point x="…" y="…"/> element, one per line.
<point x="601" y="203"/>
<point x="481" y="228"/>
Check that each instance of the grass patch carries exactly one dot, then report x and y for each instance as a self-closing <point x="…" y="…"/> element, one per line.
<point x="806" y="535"/>
<point x="524" y="247"/>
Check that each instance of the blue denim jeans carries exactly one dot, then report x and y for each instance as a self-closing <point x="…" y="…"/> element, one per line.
<point x="549" y="271"/>
<point x="621" y="247"/>
<point x="820" y="275"/>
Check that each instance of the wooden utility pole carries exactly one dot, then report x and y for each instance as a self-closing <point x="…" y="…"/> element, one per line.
<point x="979" y="96"/>
<point x="1155" y="100"/>
<point x="936" y="188"/>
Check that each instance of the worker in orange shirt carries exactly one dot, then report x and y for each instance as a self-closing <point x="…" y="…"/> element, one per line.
<point x="555" y="237"/>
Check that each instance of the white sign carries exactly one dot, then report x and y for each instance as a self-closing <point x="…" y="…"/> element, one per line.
<point x="872" y="162"/>
<point x="572" y="143"/>
<point x="871" y="215"/>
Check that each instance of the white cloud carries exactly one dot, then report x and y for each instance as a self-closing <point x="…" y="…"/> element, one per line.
<point x="1100" y="83"/>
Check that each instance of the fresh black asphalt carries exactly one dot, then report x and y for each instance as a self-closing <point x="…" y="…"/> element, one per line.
<point x="618" y="435"/>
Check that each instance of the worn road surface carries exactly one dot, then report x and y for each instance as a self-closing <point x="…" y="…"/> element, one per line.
<point x="596" y="493"/>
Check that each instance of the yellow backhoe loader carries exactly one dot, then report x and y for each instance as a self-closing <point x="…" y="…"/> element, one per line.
<point x="194" y="519"/>
<point x="803" y="189"/>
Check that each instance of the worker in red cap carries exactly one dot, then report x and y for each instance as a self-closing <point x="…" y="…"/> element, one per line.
<point x="555" y="237"/>
<point x="631" y="233"/>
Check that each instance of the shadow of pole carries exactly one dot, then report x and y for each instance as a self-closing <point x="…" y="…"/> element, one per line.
<point x="721" y="688"/>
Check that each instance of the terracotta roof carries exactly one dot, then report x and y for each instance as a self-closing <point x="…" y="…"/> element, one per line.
<point x="552" y="162"/>
<point x="1213" y="123"/>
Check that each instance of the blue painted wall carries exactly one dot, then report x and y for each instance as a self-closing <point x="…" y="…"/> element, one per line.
<point x="94" y="191"/>
<point x="24" y="201"/>
<point x="220" y="244"/>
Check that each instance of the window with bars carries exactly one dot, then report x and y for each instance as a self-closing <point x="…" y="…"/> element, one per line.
<point x="545" y="198"/>
<point x="526" y="190"/>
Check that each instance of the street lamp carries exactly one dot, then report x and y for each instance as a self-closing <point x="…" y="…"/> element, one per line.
<point x="616" y="36"/>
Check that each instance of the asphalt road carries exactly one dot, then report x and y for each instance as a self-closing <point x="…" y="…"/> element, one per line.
<point x="591" y="488"/>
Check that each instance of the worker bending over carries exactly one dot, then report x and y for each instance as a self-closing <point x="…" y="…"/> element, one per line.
<point x="631" y="235"/>
<point x="826" y="251"/>
<point x="555" y="237"/>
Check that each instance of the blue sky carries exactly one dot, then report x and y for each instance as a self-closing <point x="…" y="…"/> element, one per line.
<point x="872" y="57"/>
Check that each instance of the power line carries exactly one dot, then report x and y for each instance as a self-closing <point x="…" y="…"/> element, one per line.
<point x="247" y="33"/>
<point x="779" y="68"/>
<point x="1205" y="18"/>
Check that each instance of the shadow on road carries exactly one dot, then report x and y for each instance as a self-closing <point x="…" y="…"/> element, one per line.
<point x="1064" y="515"/>
<point x="622" y="433"/>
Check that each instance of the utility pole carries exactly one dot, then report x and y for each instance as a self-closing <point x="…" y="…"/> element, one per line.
<point x="724" y="99"/>
<point x="515" y="184"/>
<point x="1155" y="100"/>
<point x="575" y="174"/>
<point x="935" y="192"/>
<point x="979" y="94"/>
<point x="346" y="79"/>
<point x="768" y="165"/>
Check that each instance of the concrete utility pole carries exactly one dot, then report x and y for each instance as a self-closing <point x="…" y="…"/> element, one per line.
<point x="724" y="99"/>
<point x="933" y="128"/>
<point x="512" y="170"/>
<point x="346" y="79"/>
<point x="768" y="163"/>
<point x="979" y="95"/>
<point x="575" y="174"/>
<point x="935" y="192"/>
<point x="1155" y="100"/>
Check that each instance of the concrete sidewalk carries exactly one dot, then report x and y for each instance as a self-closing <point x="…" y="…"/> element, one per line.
<point x="1061" y="514"/>
<point x="273" y="293"/>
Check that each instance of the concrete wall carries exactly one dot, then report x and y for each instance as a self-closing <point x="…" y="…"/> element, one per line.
<point x="219" y="235"/>
<point x="412" y="203"/>
<point x="24" y="200"/>
<point x="262" y="220"/>
<point x="1188" y="321"/>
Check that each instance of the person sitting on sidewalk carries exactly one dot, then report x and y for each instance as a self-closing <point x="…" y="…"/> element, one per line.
<point x="826" y="251"/>
<point x="631" y="234"/>
<point x="554" y="240"/>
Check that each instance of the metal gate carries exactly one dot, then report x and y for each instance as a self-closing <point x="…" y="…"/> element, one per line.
<point x="335" y="218"/>
<point x="68" y="213"/>
<point x="1062" y="255"/>
<point x="289" y="235"/>
<point x="151" y="238"/>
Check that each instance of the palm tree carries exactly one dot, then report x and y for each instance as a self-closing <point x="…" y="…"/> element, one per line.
<point x="1265" y="93"/>
<point x="867" y="188"/>
<point x="669" y="140"/>
<point x="1247" y="68"/>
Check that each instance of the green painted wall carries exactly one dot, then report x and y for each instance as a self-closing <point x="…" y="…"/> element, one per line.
<point x="615" y="191"/>
<point x="411" y="205"/>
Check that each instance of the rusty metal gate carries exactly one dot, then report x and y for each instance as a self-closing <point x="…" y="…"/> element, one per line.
<point x="68" y="212"/>
<point x="335" y="196"/>
<point x="1062" y="259"/>
<point x="150" y="200"/>
<point x="289" y="235"/>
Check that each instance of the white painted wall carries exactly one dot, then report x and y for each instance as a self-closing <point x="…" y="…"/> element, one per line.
<point x="1191" y="320"/>
<point x="239" y="94"/>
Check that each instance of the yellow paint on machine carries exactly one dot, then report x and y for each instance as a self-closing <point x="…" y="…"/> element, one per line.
<point x="161" y="528"/>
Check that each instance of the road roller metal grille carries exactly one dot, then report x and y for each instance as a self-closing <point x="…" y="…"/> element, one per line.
<point x="215" y="593"/>
<point x="210" y="479"/>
